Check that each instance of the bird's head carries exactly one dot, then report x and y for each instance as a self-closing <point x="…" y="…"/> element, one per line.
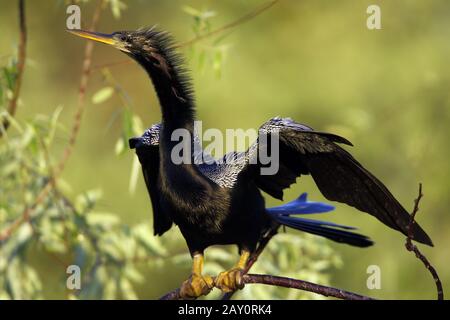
<point x="156" y="52"/>
<point x="149" y="138"/>
<point x="147" y="43"/>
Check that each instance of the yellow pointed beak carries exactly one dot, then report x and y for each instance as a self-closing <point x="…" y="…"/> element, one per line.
<point x="96" y="36"/>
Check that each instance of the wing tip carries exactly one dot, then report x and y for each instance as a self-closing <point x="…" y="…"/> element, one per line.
<point x="419" y="235"/>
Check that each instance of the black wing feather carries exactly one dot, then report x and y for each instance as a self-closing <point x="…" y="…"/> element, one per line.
<point x="149" y="159"/>
<point x="338" y="175"/>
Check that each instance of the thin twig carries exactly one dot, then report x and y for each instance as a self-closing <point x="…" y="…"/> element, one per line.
<point x="413" y="248"/>
<point x="21" y="56"/>
<point x="111" y="64"/>
<point x="241" y="20"/>
<point x="86" y="71"/>
<point x="26" y="214"/>
<point x="287" y="283"/>
<point x="230" y="25"/>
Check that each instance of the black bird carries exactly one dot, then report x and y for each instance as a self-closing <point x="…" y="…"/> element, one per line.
<point x="222" y="203"/>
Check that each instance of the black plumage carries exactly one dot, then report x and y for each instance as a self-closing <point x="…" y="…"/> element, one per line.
<point x="226" y="175"/>
<point x="222" y="203"/>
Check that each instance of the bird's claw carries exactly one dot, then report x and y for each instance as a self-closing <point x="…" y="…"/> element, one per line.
<point x="196" y="286"/>
<point x="231" y="280"/>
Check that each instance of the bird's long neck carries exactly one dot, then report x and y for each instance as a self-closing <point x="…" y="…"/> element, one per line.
<point x="173" y="88"/>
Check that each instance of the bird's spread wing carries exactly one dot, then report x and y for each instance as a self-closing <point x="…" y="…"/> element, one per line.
<point x="149" y="159"/>
<point x="337" y="174"/>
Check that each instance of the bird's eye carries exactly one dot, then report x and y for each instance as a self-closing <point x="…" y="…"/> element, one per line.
<point x="121" y="37"/>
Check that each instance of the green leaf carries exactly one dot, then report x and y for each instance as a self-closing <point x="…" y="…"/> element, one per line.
<point x="53" y="125"/>
<point x="183" y="259"/>
<point x="110" y="289"/>
<point x="192" y="11"/>
<point x="213" y="268"/>
<point x="219" y="254"/>
<point x="12" y="121"/>
<point x="206" y="14"/>
<point x="137" y="125"/>
<point x="120" y="146"/>
<point x="1" y="93"/>
<point x="87" y="200"/>
<point x="218" y="62"/>
<point x="102" y="95"/>
<point x="134" y="175"/>
<point x="133" y="274"/>
<point x="104" y="220"/>
<point x="201" y="60"/>
<point x="116" y="7"/>
<point x="127" y="123"/>
<point x="127" y="289"/>
<point x="10" y="75"/>
<point x="143" y="235"/>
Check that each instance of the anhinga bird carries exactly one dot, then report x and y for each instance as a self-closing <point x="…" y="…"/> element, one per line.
<point x="222" y="203"/>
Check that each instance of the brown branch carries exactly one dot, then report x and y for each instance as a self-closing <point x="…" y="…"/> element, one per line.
<point x="86" y="71"/>
<point x="228" y="26"/>
<point x="303" y="285"/>
<point x="279" y="281"/>
<point x="413" y="248"/>
<point x="21" y="56"/>
<point x="287" y="283"/>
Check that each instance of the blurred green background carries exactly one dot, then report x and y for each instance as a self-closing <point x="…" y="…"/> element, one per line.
<point x="386" y="90"/>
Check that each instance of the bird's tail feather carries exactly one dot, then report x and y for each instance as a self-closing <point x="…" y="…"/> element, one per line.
<point x="282" y="214"/>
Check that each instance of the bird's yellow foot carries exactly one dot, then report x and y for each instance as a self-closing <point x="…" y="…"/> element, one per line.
<point x="196" y="286"/>
<point x="232" y="280"/>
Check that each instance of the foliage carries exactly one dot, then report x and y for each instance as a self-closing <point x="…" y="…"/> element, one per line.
<point x="212" y="54"/>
